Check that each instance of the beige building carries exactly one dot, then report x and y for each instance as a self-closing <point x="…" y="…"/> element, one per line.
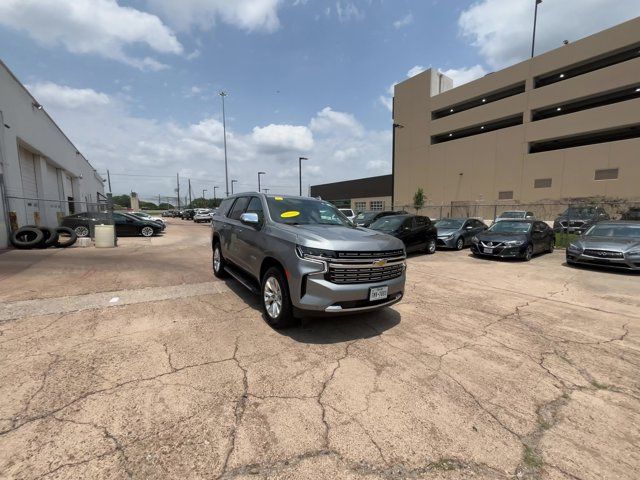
<point x="563" y="125"/>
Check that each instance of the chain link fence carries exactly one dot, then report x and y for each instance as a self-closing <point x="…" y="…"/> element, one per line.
<point x="568" y="216"/>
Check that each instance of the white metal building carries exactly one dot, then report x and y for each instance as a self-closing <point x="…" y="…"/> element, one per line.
<point x="43" y="176"/>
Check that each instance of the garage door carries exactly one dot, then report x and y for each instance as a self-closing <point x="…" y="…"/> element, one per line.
<point x="29" y="184"/>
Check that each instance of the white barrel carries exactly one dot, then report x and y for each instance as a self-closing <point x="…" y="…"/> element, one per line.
<point x="105" y="236"/>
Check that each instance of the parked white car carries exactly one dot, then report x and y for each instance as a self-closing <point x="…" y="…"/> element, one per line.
<point x="348" y="213"/>
<point x="203" y="215"/>
<point x="146" y="216"/>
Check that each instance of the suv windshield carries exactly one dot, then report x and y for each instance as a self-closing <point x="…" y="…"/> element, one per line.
<point x="620" y="231"/>
<point x="305" y="211"/>
<point x="510" y="227"/>
<point x="449" y="223"/>
<point x="387" y="224"/>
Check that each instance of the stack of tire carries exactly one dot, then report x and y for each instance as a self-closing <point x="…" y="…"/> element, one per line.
<point x="31" y="236"/>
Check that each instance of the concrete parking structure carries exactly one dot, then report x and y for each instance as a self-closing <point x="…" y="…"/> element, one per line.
<point x="136" y="363"/>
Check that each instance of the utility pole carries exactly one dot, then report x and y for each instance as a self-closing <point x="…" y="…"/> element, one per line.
<point x="203" y="190"/>
<point x="224" y="131"/>
<point x="214" y="192"/>
<point x="159" y="202"/>
<point x="109" y="180"/>
<point x="232" y="182"/>
<point x="535" y="21"/>
<point x="190" y="192"/>
<point x="260" y="173"/>
<point x="300" y="159"/>
<point x="178" y="189"/>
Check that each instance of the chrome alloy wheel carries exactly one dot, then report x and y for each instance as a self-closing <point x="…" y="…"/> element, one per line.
<point x="147" y="232"/>
<point x="82" y="231"/>
<point x="216" y="259"/>
<point x="273" y="297"/>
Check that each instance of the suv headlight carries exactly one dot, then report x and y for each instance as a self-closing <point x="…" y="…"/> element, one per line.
<point x="314" y="253"/>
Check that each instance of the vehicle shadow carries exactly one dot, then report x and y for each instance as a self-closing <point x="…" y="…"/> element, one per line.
<point x="326" y="330"/>
<point x="603" y="269"/>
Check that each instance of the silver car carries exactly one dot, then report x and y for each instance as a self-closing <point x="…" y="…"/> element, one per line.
<point x="609" y="244"/>
<point x="304" y="257"/>
<point x="458" y="232"/>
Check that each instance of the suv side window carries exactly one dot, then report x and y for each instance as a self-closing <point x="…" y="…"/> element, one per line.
<point x="408" y="223"/>
<point x="419" y="222"/>
<point x="224" y="207"/>
<point x="255" y="206"/>
<point x="238" y="208"/>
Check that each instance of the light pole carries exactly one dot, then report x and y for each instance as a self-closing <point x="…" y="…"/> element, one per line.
<point x="232" y="182"/>
<point x="214" y="192"/>
<point x="300" y="159"/>
<point x="203" y="190"/>
<point x="260" y="173"/>
<point x="224" y="130"/>
<point x="535" y="21"/>
<point x="393" y="163"/>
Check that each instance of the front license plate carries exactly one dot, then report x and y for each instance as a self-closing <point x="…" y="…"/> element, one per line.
<point x="378" y="293"/>
<point x="488" y="250"/>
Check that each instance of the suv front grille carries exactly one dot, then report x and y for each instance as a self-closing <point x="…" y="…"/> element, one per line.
<point x="338" y="274"/>
<point x="366" y="255"/>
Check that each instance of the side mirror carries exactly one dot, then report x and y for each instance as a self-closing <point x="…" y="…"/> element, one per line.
<point x="250" y="219"/>
<point x="469" y="227"/>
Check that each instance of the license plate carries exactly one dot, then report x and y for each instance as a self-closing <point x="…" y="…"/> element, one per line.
<point x="378" y="293"/>
<point x="488" y="250"/>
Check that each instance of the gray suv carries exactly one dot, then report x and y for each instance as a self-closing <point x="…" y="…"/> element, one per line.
<point x="305" y="257"/>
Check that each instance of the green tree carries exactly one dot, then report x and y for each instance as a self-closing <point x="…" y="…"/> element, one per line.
<point x="148" y="205"/>
<point x="123" y="201"/>
<point x="418" y="199"/>
<point x="165" y="206"/>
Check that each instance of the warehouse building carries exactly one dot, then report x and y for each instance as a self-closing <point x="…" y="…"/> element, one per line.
<point x="43" y="176"/>
<point x="373" y="193"/>
<point x="562" y="125"/>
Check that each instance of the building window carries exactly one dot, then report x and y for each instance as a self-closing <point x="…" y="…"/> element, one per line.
<point x="478" y="129"/>
<point x="606" y="174"/>
<point x="593" y="138"/>
<point x="506" y="195"/>
<point x="542" y="183"/>
<point x="479" y="101"/>
<point x="376" y="205"/>
<point x="360" y="206"/>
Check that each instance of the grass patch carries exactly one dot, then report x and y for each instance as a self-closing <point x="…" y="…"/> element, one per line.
<point x="445" y="464"/>
<point x="531" y="458"/>
<point x="564" y="239"/>
<point x="599" y="386"/>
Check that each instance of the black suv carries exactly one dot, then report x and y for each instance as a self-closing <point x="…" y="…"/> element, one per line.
<point x="579" y="219"/>
<point x="417" y="233"/>
<point x="364" y="219"/>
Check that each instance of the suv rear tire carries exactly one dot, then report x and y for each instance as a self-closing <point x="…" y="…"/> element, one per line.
<point x="218" y="262"/>
<point x="276" y="302"/>
<point x="431" y="246"/>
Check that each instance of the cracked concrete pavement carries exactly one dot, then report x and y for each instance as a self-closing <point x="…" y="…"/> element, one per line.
<point x="486" y="370"/>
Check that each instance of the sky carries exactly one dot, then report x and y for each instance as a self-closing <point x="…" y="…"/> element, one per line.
<point x="135" y="83"/>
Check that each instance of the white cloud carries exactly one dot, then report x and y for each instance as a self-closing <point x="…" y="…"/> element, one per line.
<point x="110" y="135"/>
<point x="53" y="95"/>
<point x="404" y="21"/>
<point x="348" y="11"/>
<point x="416" y="71"/>
<point x="282" y="138"/>
<point x="330" y="122"/>
<point x="99" y="27"/>
<point x="250" y="15"/>
<point x="502" y="30"/>
<point x="463" y="75"/>
<point x="193" y="55"/>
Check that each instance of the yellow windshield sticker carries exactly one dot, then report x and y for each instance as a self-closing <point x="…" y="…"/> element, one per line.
<point x="290" y="214"/>
<point x="277" y="198"/>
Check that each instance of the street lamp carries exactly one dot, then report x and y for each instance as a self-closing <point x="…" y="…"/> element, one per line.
<point x="260" y="173"/>
<point x="535" y="20"/>
<point x="300" y="159"/>
<point x="224" y="130"/>
<point x="214" y="192"/>
<point x="203" y="190"/>
<point x="393" y="163"/>
<point x="232" y="182"/>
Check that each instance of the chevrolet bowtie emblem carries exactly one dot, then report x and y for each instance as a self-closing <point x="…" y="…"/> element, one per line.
<point x="379" y="263"/>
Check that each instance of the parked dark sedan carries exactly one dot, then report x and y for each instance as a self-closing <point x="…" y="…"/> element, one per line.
<point x="188" y="214"/>
<point x="458" y="232"/>
<point x="579" y="219"/>
<point x="125" y="224"/>
<point x="514" y="239"/>
<point x="365" y="219"/>
<point x="632" y="214"/>
<point x="610" y="244"/>
<point x="417" y="232"/>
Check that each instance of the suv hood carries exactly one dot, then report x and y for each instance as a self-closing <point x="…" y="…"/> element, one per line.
<point x="335" y="237"/>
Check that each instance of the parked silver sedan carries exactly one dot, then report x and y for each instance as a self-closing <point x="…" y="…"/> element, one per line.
<point x="458" y="232"/>
<point x="608" y="244"/>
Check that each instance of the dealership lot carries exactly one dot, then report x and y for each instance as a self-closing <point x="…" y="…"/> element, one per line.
<point x="136" y="363"/>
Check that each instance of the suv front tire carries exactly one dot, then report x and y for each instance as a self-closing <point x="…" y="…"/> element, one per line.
<point x="218" y="262"/>
<point x="276" y="303"/>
